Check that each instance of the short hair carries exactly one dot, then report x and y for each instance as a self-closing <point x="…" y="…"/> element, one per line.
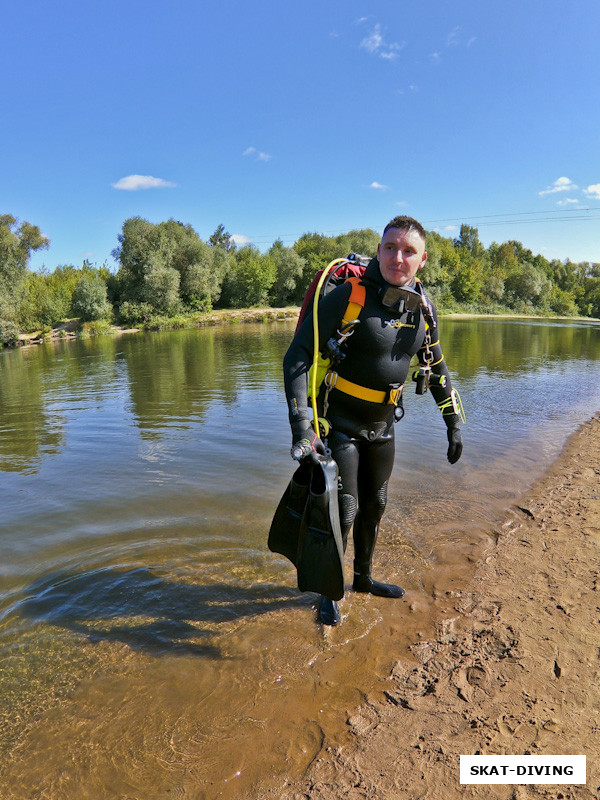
<point x="406" y="224"/>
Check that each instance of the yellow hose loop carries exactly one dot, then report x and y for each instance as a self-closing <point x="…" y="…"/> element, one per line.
<point x="324" y="424"/>
<point x="317" y="294"/>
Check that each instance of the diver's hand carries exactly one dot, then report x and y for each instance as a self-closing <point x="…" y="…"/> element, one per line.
<point x="305" y="442"/>
<point x="455" y="445"/>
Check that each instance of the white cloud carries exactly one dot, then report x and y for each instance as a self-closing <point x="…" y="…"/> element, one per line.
<point x="471" y="41"/>
<point x="135" y="183"/>
<point x="380" y="186"/>
<point x="257" y="154"/>
<point x="435" y="57"/>
<point x="559" y="185"/>
<point x="453" y="36"/>
<point x="568" y="201"/>
<point x="373" y="42"/>
<point x="447" y="229"/>
<point x="593" y="191"/>
<point x="240" y="240"/>
<point x="376" y="45"/>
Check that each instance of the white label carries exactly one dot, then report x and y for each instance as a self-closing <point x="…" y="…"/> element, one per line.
<point x="522" y="769"/>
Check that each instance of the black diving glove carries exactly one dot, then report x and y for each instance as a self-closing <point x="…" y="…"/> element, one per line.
<point x="305" y="442"/>
<point x="455" y="444"/>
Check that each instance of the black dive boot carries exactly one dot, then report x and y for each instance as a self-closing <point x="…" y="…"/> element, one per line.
<point x="329" y="611"/>
<point x="364" y="583"/>
<point x="364" y="545"/>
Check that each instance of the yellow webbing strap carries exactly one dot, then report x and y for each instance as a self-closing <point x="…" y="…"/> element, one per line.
<point x="334" y="381"/>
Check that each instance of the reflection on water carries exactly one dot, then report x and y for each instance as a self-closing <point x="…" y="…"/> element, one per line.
<point x="145" y="630"/>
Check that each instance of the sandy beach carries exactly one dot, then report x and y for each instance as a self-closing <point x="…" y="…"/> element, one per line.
<point x="514" y="671"/>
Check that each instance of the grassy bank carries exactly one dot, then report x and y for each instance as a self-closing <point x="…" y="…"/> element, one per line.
<point x="74" y="328"/>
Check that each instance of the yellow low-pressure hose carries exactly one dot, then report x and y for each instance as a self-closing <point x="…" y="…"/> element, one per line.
<point x="332" y="265"/>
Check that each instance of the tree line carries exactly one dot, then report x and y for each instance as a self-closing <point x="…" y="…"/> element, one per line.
<point x="166" y="271"/>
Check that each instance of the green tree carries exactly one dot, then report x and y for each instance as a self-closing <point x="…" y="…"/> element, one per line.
<point x="467" y="282"/>
<point x="317" y="250"/>
<point x="469" y="242"/>
<point x="289" y="268"/>
<point x="202" y="269"/>
<point x="62" y="282"/>
<point x="363" y="241"/>
<point x="442" y="263"/>
<point x="249" y="279"/>
<point x="167" y="265"/>
<point x="527" y="288"/>
<point x="221" y="238"/>
<point x="161" y="285"/>
<point x="522" y="254"/>
<point x="17" y="243"/>
<point x="439" y="281"/>
<point x="89" y="301"/>
<point x="562" y="302"/>
<point x="9" y="333"/>
<point x="502" y="259"/>
<point x="591" y="300"/>
<point x="39" y="307"/>
<point x="493" y="288"/>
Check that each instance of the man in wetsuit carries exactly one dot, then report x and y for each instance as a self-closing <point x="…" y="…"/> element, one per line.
<point x="363" y="405"/>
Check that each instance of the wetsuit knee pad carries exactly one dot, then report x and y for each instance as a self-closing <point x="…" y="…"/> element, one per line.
<point x="372" y="508"/>
<point x="381" y="497"/>
<point x="348" y="507"/>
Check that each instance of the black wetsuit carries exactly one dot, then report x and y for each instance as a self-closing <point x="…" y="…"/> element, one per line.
<point x="378" y="355"/>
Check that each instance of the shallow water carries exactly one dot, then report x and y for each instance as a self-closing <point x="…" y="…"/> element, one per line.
<point x="151" y="645"/>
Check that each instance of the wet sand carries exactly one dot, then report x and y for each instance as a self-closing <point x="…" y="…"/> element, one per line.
<point x="514" y="668"/>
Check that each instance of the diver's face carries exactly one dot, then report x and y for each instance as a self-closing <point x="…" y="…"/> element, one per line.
<point x="401" y="255"/>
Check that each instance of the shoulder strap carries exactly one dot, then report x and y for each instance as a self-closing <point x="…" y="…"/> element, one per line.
<point x="356" y="302"/>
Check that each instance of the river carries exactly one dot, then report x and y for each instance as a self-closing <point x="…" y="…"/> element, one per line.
<point x="151" y="646"/>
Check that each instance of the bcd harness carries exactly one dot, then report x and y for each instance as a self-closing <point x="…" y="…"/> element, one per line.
<point x="322" y="369"/>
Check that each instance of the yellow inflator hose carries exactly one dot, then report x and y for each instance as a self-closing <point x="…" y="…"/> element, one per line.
<point x="332" y="265"/>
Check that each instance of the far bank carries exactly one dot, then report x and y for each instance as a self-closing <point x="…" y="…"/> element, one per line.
<point x="75" y="328"/>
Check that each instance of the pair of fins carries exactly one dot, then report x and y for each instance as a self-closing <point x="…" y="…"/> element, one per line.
<point x="306" y="528"/>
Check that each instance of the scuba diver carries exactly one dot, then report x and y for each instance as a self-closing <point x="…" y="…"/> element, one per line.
<point x="369" y="329"/>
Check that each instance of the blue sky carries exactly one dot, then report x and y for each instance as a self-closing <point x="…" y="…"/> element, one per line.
<point x="275" y="119"/>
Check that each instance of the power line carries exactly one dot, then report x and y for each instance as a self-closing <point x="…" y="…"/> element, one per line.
<point x="518" y="214"/>
<point x="506" y="218"/>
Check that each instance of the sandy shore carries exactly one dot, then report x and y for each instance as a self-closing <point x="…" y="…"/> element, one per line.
<point x="515" y="670"/>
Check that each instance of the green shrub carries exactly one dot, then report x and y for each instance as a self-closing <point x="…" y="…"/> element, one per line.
<point x="162" y="322"/>
<point x="96" y="327"/>
<point x="9" y="333"/>
<point x="134" y="314"/>
<point x="40" y="305"/>
<point x="89" y="298"/>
